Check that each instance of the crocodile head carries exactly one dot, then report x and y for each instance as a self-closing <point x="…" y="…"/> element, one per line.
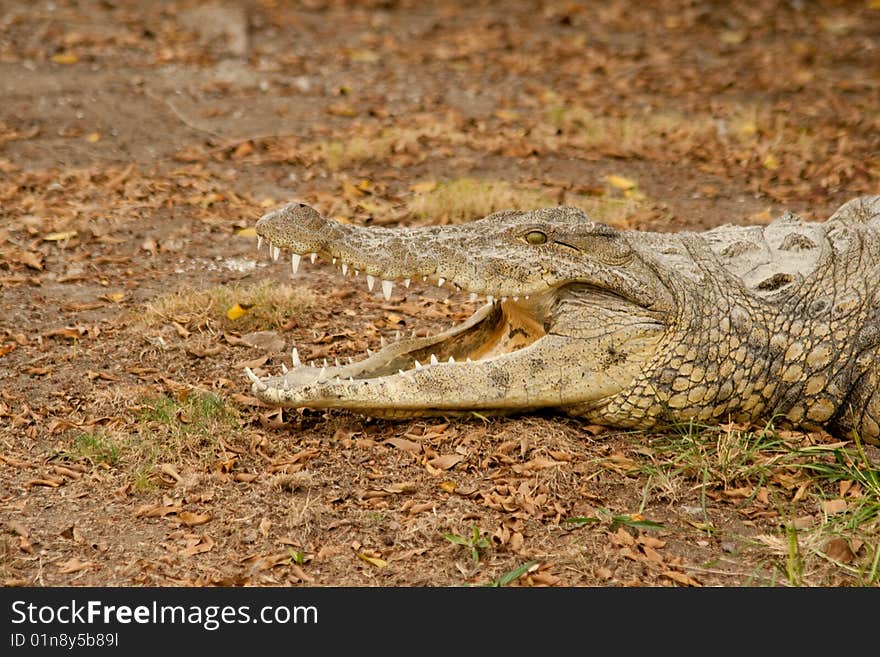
<point x="573" y="314"/>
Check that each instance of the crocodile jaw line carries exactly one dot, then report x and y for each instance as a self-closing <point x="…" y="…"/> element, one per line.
<point x="483" y="337"/>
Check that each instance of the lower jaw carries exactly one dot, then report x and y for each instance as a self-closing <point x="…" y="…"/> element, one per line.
<point x="490" y="331"/>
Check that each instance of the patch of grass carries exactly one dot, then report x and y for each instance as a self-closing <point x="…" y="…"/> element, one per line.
<point x="789" y="469"/>
<point x="129" y="455"/>
<point x="172" y="429"/>
<point x="142" y="479"/>
<point x="338" y="154"/>
<point x="95" y="447"/>
<point x="721" y="458"/>
<point x="754" y="134"/>
<point x="475" y="542"/>
<point x="194" y="413"/>
<point x="268" y="304"/>
<point x="465" y="199"/>
<point x="512" y="575"/>
<point x="794" y="562"/>
<point x="630" y="134"/>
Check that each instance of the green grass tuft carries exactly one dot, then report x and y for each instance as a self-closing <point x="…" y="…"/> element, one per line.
<point x="797" y="473"/>
<point x="95" y="448"/>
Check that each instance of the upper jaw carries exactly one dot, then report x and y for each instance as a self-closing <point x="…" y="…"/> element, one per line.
<point x="307" y="235"/>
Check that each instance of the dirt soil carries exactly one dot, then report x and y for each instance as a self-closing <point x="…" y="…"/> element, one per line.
<point x="139" y="143"/>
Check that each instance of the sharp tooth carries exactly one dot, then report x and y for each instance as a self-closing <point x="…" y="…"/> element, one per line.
<point x="400" y="372"/>
<point x="255" y="379"/>
<point x="313" y="257"/>
<point x="424" y="278"/>
<point x="503" y="299"/>
<point x="382" y="341"/>
<point x="418" y="365"/>
<point x="434" y="360"/>
<point x="490" y="299"/>
<point x="413" y="334"/>
<point x="397" y="335"/>
<point x="325" y="362"/>
<point x="370" y="282"/>
<point x="440" y="281"/>
<point x="451" y="359"/>
<point x="276" y="252"/>
<point x="337" y="362"/>
<point x="312" y="364"/>
<point x="468" y="360"/>
<point x="283" y="368"/>
<point x="357" y="272"/>
<point x="322" y="373"/>
<point x="294" y="356"/>
<point x="351" y="379"/>
<point x="350" y="360"/>
<point x="334" y="260"/>
<point x="344" y="269"/>
<point x="369" y="352"/>
<point x="526" y="297"/>
<point x="516" y="298"/>
<point x="406" y="282"/>
<point x="259" y="242"/>
<point x="473" y="296"/>
<point x="387" y="286"/>
<point x="294" y="261"/>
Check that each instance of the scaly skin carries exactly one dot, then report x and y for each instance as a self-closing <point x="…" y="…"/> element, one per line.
<point x="624" y="328"/>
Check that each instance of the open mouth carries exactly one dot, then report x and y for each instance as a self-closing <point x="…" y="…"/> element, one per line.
<point x="501" y="326"/>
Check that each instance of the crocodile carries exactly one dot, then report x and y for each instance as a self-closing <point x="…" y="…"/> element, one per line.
<point x="629" y="329"/>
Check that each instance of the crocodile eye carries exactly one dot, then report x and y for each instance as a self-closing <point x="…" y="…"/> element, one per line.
<point x="536" y="237"/>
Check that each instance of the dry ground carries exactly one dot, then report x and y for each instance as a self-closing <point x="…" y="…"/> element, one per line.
<point x="139" y="142"/>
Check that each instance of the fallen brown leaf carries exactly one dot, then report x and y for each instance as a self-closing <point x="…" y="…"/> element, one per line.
<point x="266" y="340"/>
<point x="376" y="561"/>
<point x="198" y="546"/>
<point x="404" y="444"/>
<point x="17" y="528"/>
<point x="52" y="482"/>
<point x="543" y="579"/>
<point x="66" y="472"/>
<point x="30" y="259"/>
<point x="839" y="550"/>
<point x="74" y="564"/>
<point x="105" y="376"/>
<point x="832" y="507"/>
<point x="253" y="363"/>
<point x="680" y="578"/>
<point x="446" y="461"/>
<point x="267" y="561"/>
